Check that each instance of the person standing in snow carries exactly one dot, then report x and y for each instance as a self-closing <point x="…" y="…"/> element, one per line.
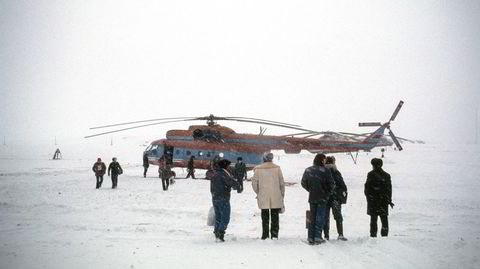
<point x="221" y="184"/>
<point x="378" y="191"/>
<point x="166" y="175"/>
<point x="114" y="169"/>
<point x="240" y="173"/>
<point x="190" y="167"/>
<point x="268" y="184"/>
<point x="335" y="202"/>
<point x="99" y="169"/>
<point x="319" y="183"/>
<point x="145" y="164"/>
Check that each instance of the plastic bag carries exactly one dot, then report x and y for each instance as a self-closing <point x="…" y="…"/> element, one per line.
<point x="211" y="217"/>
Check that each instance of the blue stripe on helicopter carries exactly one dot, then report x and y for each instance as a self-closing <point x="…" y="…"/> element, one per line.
<point x="233" y="140"/>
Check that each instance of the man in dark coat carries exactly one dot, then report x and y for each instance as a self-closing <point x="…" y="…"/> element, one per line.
<point x="145" y="164"/>
<point x="221" y="184"/>
<point x="115" y="169"/>
<point x="166" y="175"/>
<point x="335" y="202"/>
<point x="319" y="183"/>
<point x="191" y="168"/>
<point x="378" y="191"/>
<point x="240" y="173"/>
<point x="99" y="169"/>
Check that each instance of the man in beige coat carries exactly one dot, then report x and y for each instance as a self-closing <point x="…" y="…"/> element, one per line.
<point x="268" y="184"/>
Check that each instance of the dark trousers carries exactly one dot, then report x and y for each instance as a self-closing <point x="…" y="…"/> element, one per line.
<point x="373" y="225"/>
<point x="114" y="181"/>
<point x="267" y="215"/>
<point x="145" y="171"/>
<point x="222" y="215"/>
<point x="191" y="173"/>
<point x="317" y="221"/>
<point x="99" y="181"/>
<point x="336" y="208"/>
<point x="165" y="183"/>
<point x="240" y="183"/>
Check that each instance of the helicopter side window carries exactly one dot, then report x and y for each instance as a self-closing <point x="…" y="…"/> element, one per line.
<point x="200" y="154"/>
<point x="209" y="154"/>
<point x="189" y="153"/>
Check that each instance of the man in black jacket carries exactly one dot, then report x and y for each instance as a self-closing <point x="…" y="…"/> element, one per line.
<point x="145" y="164"/>
<point x="240" y="173"/>
<point x="318" y="181"/>
<point x="191" y="168"/>
<point x="378" y="191"/>
<point x="115" y="169"/>
<point x="335" y="202"/>
<point x="221" y="184"/>
<point x="99" y="169"/>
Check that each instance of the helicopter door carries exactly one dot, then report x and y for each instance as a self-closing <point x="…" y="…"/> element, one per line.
<point x="169" y="154"/>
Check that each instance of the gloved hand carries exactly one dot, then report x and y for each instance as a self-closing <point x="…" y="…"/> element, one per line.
<point x="391" y="205"/>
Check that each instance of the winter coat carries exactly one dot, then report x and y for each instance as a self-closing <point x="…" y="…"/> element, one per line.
<point x="318" y="181"/>
<point x="145" y="161"/>
<point x="114" y="168"/>
<point x="240" y="170"/>
<point x="99" y="168"/>
<point x="378" y="191"/>
<point x="221" y="183"/>
<point x="268" y="184"/>
<point x="340" y="190"/>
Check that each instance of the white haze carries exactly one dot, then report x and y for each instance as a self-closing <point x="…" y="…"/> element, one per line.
<point x="68" y="65"/>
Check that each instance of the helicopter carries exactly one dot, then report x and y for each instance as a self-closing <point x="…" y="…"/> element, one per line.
<point x="212" y="141"/>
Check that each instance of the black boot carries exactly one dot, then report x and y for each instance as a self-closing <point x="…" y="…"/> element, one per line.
<point x="340" y="231"/>
<point x="221" y="236"/>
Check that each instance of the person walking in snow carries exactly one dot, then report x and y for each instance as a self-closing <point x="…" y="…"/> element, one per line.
<point x="166" y="175"/>
<point x="335" y="202"/>
<point x="145" y="164"/>
<point x="378" y="191"/>
<point x="319" y="183"/>
<point x="268" y="184"/>
<point x="221" y="184"/>
<point x="99" y="169"/>
<point x="190" y="167"/>
<point x="240" y="173"/>
<point x="114" y="169"/>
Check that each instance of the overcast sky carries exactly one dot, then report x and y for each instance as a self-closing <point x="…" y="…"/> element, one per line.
<point x="66" y="66"/>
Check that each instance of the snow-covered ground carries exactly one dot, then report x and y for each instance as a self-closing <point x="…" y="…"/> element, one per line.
<point x="51" y="215"/>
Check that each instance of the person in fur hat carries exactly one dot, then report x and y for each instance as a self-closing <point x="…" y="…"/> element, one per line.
<point x="378" y="191"/>
<point x="221" y="184"/>
<point x="339" y="197"/>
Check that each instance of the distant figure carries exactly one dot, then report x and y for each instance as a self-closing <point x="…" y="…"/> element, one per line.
<point x="99" y="169"/>
<point x="115" y="169"/>
<point x="268" y="184"/>
<point x="240" y="173"/>
<point x="221" y="184"/>
<point x="57" y="155"/>
<point x="166" y="175"/>
<point x="378" y="191"/>
<point x="319" y="183"/>
<point x="335" y="202"/>
<point x="145" y="164"/>
<point x="191" y="168"/>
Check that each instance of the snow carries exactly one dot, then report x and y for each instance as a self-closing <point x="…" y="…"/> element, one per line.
<point x="53" y="217"/>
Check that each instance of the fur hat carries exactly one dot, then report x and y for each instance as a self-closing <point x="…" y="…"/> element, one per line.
<point x="224" y="163"/>
<point x="376" y="162"/>
<point x="268" y="157"/>
<point x="319" y="158"/>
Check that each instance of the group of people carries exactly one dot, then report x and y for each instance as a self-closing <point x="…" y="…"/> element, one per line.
<point x="114" y="169"/>
<point x="327" y="192"/>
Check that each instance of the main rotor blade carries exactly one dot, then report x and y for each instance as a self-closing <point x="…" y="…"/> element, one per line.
<point x="271" y="121"/>
<point x="140" y="121"/>
<point x="134" y="127"/>
<point x="395" y="140"/>
<point x="278" y="125"/>
<point x="369" y="124"/>
<point x="394" y="115"/>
